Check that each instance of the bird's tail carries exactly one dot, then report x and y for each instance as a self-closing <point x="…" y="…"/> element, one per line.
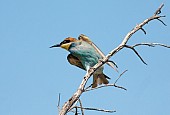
<point x="99" y="79"/>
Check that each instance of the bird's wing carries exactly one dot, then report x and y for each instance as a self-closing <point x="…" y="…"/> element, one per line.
<point x="74" y="61"/>
<point x="87" y="39"/>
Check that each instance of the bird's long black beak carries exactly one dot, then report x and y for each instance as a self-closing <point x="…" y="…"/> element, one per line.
<point x="57" y="45"/>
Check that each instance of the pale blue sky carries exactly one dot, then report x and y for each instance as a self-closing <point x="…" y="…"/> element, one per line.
<point x="32" y="75"/>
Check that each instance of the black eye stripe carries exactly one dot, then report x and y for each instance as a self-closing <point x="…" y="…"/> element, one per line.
<point x="65" y="41"/>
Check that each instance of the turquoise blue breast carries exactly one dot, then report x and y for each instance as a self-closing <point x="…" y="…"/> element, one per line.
<point x="85" y="53"/>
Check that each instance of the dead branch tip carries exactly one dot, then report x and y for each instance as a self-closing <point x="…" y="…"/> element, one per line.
<point x="158" y="11"/>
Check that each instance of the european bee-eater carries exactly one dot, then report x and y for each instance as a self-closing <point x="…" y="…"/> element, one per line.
<point x="84" y="55"/>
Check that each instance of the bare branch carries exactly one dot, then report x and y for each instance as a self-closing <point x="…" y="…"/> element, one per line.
<point x="106" y="85"/>
<point x="162" y="22"/>
<point x="113" y="63"/>
<point x="110" y="62"/>
<point x="66" y="107"/>
<point x="120" y="76"/>
<point x="127" y="46"/>
<point x="81" y="107"/>
<point x="158" y="11"/>
<point x="76" y="113"/>
<point x="146" y="44"/>
<point x="151" y="45"/>
<point x="58" y="106"/>
<point x="143" y="30"/>
<point x="96" y="109"/>
<point x="72" y="107"/>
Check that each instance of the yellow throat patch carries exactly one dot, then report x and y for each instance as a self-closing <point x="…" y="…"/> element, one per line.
<point x="65" y="46"/>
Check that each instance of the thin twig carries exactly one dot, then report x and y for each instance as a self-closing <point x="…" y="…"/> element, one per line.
<point x="158" y="11"/>
<point x="96" y="109"/>
<point x="82" y="112"/>
<point x="88" y="87"/>
<point x="76" y="113"/>
<point x="113" y="63"/>
<point x="72" y="107"/>
<point x="58" y="106"/>
<point x="120" y="76"/>
<point x="106" y="85"/>
<point x="151" y="45"/>
<point x="162" y="22"/>
<point x="127" y="46"/>
<point x="143" y="30"/>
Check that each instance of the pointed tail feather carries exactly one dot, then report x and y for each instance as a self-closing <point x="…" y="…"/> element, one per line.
<point x="99" y="79"/>
<point x="94" y="81"/>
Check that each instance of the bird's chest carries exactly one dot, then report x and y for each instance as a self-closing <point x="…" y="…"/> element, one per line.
<point x="86" y="54"/>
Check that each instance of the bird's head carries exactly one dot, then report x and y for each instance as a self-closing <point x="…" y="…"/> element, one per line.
<point x="65" y="44"/>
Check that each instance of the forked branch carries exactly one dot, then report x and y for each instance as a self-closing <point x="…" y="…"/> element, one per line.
<point x="106" y="85"/>
<point x="66" y="107"/>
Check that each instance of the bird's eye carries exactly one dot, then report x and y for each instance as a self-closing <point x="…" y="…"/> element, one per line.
<point x="65" y="41"/>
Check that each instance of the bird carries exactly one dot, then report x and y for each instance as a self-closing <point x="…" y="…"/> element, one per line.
<point x="84" y="55"/>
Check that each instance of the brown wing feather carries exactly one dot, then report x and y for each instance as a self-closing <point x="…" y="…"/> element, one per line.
<point x="74" y="61"/>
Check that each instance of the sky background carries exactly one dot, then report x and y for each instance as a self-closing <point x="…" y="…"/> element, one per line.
<point x="32" y="75"/>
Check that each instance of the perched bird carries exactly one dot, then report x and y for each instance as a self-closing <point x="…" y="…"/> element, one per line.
<point x="84" y="55"/>
<point x="87" y="39"/>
